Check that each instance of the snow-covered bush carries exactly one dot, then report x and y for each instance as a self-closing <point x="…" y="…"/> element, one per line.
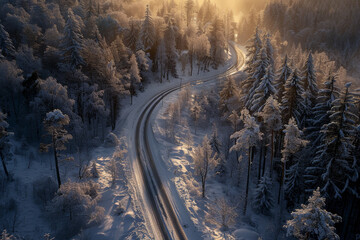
<point x="75" y="207"/>
<point x="111" y="140"/>
<point x="44" y="190"/>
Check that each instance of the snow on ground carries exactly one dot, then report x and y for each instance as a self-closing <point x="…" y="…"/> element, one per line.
<point x="176" y="166"/>
<point x="124" y="210"/>
<point x="134" y="222"/>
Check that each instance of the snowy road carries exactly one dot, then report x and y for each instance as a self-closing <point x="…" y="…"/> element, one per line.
<point x="162" y="214"/>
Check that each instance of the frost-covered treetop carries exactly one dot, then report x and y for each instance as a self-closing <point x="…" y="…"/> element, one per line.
<point x="292" y="140"/>
<point x="271" y="114"/>
<point x="312" y="221"/>
<point x="56" y="116"/>
<point x="249" y="135"/>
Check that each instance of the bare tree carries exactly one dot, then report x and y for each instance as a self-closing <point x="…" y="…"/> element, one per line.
<point x="204" y="161"/>
<point x="222" y="214"/>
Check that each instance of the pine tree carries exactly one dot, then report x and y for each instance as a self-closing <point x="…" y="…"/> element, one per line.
<point x="312" y="221"/>
<point x="271" y="116"/>
<point x="263" y="199"/>
<point x="3" y="141"/>
<point x="309" y="74"/>
<point x="310" y="89"/>
<point x="195" y="112"/>
<point x="131" y="37"/>
<point x="292" y="144"/>
<point x="214" y="141"/>
<point x="217" y="41"/>
<point x="270" y="51"/>
<point x="228" y="95"/>
<point x="54" y="124"/>
<point x="293" y="102"/>
<point x="264" y="90"/>
<point x="283" y="76"/>
<point x="170" y="50"/>
<point x="147" y="32"/>
<point x="6" y="45"/>
<point x="216" y="147"/>
<point x="253" y="51"/>
<point x="72" y="43"/>
<point x="321" y="110"/>
<point x="260" y="69"/>
<point x="246" y="139"/>
<point x="334" y="167"/>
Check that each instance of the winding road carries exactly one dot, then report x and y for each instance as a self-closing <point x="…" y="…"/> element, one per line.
<point x="164" y="220"/>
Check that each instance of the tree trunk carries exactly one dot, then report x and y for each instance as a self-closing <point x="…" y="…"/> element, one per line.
<point x="203" y="187"/>
<point x="272" y="152"/>
<point x="247" y="179"/>
<point x="4" y="165"/>
<point x="264" y="160"/>
<point x="56" y="162"/>
<point x="282" y="180"/>
<point x="260" y="159"/>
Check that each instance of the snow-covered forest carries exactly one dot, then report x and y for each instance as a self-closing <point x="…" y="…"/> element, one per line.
<point x="137" y="119"/>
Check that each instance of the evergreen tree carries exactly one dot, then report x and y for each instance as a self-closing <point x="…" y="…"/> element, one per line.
<point x="228" y="96"/>
<point x="217" y="41"/>
<point x="214" y="141"/>
<point x="310" y="89"/>
<point x="309" y="79"/>
<point x="195" y="112"/>
<point x="263" y="199"/>
<point x="270" y="51"/>
<point x="147" y="32"/>
<point x="292" y="144"/>
<point x="216" y="147"/>
<point x="283" y="76"/>
<point x="271" y="116"/>
<point x="131" y="37"/>
<point x="72" y="43"/>
<point x="260" y="70"/>
<point x="170" y="50"/>
<point x="264" y="90"/>
<point x="253" y="51"/>
<point x="312" y="221"/>
<point x="321" y="111"/>
<point x="293" y="101"/>
<point x="6" y="45"/>
<point x="334" y="167"/>
<point x="54" y="124"/>
<point x="246" y="139"/>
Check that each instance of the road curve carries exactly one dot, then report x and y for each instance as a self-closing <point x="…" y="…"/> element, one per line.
<point x="161" y="207"/>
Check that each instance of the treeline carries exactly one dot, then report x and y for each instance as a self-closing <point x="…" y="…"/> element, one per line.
<point x="84" y="57"/>
<point x="325" y="26"/>
<point x="66" y="68"/>
<point x="304" y="127"/>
